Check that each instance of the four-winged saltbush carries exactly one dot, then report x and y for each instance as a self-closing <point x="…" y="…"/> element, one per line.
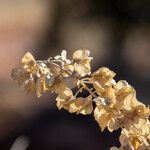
<point x="116" y="102"/>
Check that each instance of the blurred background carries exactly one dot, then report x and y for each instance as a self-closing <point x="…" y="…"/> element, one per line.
<point x="118" y="35"/>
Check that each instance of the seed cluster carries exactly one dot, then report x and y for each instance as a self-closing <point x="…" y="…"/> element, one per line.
<point x="116" y="105"/>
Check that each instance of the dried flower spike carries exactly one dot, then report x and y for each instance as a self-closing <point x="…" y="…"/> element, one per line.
<point x="116" y="102"/>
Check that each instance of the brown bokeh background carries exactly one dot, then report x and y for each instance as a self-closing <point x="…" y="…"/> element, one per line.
<point x="118" y="35"/>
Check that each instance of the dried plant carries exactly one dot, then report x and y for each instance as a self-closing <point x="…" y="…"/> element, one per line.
<point x="116" y="105"/>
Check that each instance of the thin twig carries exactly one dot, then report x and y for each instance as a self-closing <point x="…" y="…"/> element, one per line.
<point x="79" y="90"/>
<point x="88" y="89"/>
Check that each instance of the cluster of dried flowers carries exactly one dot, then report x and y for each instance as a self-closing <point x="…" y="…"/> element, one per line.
<point x="116" y="105"/>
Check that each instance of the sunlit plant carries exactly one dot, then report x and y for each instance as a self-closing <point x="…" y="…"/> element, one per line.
<point x="116" y="105"/>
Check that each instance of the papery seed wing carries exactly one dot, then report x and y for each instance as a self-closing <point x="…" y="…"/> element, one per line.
<point x="28" y="61"/>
